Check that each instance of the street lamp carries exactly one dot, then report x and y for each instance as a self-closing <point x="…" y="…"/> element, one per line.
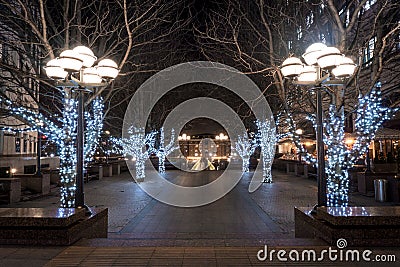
<point x="322" y="66"/>
<point x="73" y="68"/>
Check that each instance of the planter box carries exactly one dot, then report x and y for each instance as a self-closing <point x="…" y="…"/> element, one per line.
<point x="385" y="167"/>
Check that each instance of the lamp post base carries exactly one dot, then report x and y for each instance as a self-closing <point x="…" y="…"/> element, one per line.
<point x="315" y="209"/>
<point x="88" y="210"/>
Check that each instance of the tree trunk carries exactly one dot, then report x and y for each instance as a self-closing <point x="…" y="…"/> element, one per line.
<point x="245" y="164"/>
<point x="161" y="163"/>
<point x="140" y="170"/>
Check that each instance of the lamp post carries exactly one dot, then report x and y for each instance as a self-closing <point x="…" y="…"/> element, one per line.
<point x="74" y="69"/>
<point x="323" y="66"/>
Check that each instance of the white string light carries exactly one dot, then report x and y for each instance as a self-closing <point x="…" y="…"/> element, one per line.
<point x="266" y="138"/>
<point x="245" y="148"/>
<point x="164" y="150"/>
<point x="139" y="146"/>
<point x="64" y="137"/>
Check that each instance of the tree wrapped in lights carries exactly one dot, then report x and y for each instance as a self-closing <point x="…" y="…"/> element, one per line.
<point x="266" y="139"/>
<point x="245" y="148"/>
<point x="337" y="159"/>
<point x="139" y="146"/>
<point x="94" y="126"/>
<point x="370" y="116"/>
<point x="164" y="150"/>
<point x="63" y="133"/>
<point x="67" y="149"/>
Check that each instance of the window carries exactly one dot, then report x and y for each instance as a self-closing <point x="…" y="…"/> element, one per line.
<point x="369" y="51"/>
<point x="25" y="145"/>
<point x="299" y="33"/>
<point x="26" y="139"/>
<point x="17" y="145"/>
<point x="369" y="3"/>
<point x="310" y="20"/>
<point x="322" y="38"/>
<point x="3" y="52"/>
<point x="347" y="18"/>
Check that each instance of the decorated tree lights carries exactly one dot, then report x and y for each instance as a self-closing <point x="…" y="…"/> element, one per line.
<point x="94" y="125"/>
<point x="245" y="148"/>
<point x="68" y="157"/>
<point x="370" y="116"/>
<point x="164" y="150"/>
<point x="63" y="133"/>
<point x="139" y="146"/>
<point x="266" y="139"/>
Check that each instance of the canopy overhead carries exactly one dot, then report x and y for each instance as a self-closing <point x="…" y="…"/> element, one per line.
<point x="387" y="133"/>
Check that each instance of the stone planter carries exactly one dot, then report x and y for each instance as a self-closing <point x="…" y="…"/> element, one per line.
<point x="385" y="167"/>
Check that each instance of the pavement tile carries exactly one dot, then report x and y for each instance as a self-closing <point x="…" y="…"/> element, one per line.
<point x="145" y="232"/>
<point x="6" y="251"/>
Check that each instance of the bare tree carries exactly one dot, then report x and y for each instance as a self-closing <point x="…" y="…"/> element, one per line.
<point x="33" y="32"/>
<point x="256" y="36"/>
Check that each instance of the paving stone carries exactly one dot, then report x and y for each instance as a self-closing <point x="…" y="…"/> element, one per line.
<point x="145" y="232"/>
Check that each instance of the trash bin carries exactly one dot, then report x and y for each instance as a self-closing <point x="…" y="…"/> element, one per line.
<point x="380" y="186"/>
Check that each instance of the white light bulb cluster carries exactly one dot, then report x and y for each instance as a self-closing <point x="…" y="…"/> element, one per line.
<point x="94" y="126"/>
<point x="337" y="159"/>
<point x="164" y="150"/>
<point x="245" y="147"/>
<point x="81" y="58"/>
<point x="266" y="139"/>
<point x="63" y="133"/>
<point x="318" y="55"/>
<point x="138" y="146"/>
<point x="370" y="116"/>
<point x="68" y="157"/>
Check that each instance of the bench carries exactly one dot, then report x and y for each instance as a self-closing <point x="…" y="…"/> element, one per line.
<point x="88" y="176"/>
<point x="37" y="183"/>
<point x="10" y="190"/>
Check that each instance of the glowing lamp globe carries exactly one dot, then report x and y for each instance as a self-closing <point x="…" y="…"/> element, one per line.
<point x="345" y="68"/>
<point x="309" y="75"/>
<point x="291" y="67"/>
<point x="107" y="69"/>
<point x="54" y="71"/>
<point x="329" y="58"/>
<point x="90" y="76"/>
<point x="313" y="52"/>
<point x="70" y="61"/>
<point x="86" y="54"/>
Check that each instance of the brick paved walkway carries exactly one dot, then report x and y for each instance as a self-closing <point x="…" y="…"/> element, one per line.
<point x="234" y="225"/>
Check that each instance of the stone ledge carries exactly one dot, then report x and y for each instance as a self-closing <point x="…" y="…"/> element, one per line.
<point x="52" y="226"/>
<point x="360" y="229"/>
<point x="361" y="215"/>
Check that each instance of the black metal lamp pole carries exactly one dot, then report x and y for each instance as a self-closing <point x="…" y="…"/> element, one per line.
<point x="320" y="153"/>
<point x="80" y="195"/>
<point x="38" y="153"/>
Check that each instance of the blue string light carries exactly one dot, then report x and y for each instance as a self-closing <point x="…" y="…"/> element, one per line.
<point x="266" y="139"/>
<point x="164" y="150"/>
<point x="245" y="147"/>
